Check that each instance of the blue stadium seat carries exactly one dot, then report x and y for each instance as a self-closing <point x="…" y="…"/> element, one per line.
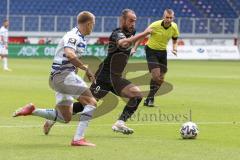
<point x="98" y="26"/>
<point x="216" y="25"/>
<point x="110" y="24"/>
<point x="47" y="24"/>
<point x="63" y="23"/>
<point x="201" y="26"/>
<point x="216" y="8"/>
<point x="229" y="26"/>
<point x="150" y="8"/>
<point x="141" y="24"/>
<point x="99" y="7"/>
<point x="186" y="25"/>
<point x="31" y="23"/>
<point x="16" y="23"/>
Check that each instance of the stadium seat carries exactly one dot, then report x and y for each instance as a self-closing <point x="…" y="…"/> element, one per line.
<point x="184" y="9"/>
<point x="31" y="23"/>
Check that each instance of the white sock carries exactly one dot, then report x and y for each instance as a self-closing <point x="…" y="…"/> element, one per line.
<point x="5" y="63"/>
<point x="120" y="122"/>
<point x="82" y="125"/>
<point x="51" y="114"/>
<point x="85" y="116"/>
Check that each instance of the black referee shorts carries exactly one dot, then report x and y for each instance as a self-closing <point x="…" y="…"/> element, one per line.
<point x="101" y="88"/>
<point x="156" y="59"/>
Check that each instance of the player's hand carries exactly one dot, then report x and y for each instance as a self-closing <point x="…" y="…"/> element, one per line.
<point x="90" y="76"/>
<point x="133" y="51"/>
<point x="174" y="52"/>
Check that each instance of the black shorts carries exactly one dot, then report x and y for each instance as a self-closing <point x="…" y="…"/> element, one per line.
<point x="101" y="88"/>
<point x="156" y="59"/>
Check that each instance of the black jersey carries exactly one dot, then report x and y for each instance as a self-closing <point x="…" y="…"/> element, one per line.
<point x="117" y="57"/>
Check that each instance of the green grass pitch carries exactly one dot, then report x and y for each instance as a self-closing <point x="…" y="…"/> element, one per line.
<point x="209" y="89"/>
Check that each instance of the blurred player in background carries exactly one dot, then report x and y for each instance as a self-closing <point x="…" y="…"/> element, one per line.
<point x="109" y="74"/>
<point x="156" y="51"/>
<point x="4" y="44"/>
<point x="67" y="84"/>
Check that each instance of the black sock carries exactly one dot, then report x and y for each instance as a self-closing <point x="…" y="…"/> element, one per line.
<point x="77" y="107"/>
<point x="130" y="108"/>
<point x="154" y="86"/>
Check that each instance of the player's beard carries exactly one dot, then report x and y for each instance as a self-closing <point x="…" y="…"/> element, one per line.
<point x="128" y="30"/>
<point x="131" y="29"/>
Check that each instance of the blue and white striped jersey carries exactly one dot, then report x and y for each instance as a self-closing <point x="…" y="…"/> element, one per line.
<point x="72" y="39"/>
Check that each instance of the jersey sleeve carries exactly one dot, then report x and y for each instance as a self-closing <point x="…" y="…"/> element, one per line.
<point x="176" y="33"/>
<point x="70" y="41"/>
<point x="116" y="36"/>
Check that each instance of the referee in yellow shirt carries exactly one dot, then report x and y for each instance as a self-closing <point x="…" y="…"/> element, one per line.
<point x="156" y="51"/>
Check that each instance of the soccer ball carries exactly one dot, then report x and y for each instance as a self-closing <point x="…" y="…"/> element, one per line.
<point x="189" y="130"/>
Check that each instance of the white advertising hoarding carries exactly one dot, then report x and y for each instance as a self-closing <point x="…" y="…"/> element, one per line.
<point x="206" y="52"/>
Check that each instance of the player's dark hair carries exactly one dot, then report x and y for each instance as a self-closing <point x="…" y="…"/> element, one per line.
<point x="169" y="11"/>
<point x="84" y="17"/>
<point x="125" y="12"/>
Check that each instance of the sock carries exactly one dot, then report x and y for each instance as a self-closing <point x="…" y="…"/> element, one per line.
<point x="77" y="107"/>
<point x="86" y="115"/>
<point x="130" y="108"/>
<point x="154" y="86"/>
<point x="5" y="63"/>
<point x="51" y="114"/>
<point x="120" y="122"/>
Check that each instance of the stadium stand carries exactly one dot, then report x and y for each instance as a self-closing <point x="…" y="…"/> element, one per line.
<point x="185" y="10"/>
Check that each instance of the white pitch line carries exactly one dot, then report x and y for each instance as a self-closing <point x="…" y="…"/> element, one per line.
<point x="102" y="125"/>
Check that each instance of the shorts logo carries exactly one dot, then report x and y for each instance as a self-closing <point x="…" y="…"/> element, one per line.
<point x="97" y="89"/>
<point x="72" y="41"/>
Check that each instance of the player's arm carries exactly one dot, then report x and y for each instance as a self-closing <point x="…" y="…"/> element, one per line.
<point x="174" y="40"/>
<point x="137" y="43"/>
<point x="126" y="42"/>
<point x="72" y="57"/>
<point x="70" y="46"/>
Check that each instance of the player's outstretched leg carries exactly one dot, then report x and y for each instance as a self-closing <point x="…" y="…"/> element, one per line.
<point x="30" y="109"/>
<point x="77" y="107"/>
<point x="25" y="110"/>
<point x="135" y="97"/>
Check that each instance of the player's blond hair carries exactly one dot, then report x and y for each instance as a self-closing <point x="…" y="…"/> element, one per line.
<point x="85" y="16"/>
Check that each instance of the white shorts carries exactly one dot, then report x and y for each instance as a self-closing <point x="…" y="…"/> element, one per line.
<point x="68" y="86"/>
<point x="3" y="50"/>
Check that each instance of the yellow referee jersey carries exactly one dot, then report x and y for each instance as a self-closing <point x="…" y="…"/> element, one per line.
<point x="160" y="36"/>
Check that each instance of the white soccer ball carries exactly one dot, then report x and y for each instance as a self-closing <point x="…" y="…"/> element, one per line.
<point x="189" y="130"/>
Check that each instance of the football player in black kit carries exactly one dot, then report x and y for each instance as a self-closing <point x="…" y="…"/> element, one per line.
<point x="109" y="74"/>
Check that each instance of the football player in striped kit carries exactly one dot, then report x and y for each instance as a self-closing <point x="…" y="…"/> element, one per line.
<point x="67" y="84"/>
